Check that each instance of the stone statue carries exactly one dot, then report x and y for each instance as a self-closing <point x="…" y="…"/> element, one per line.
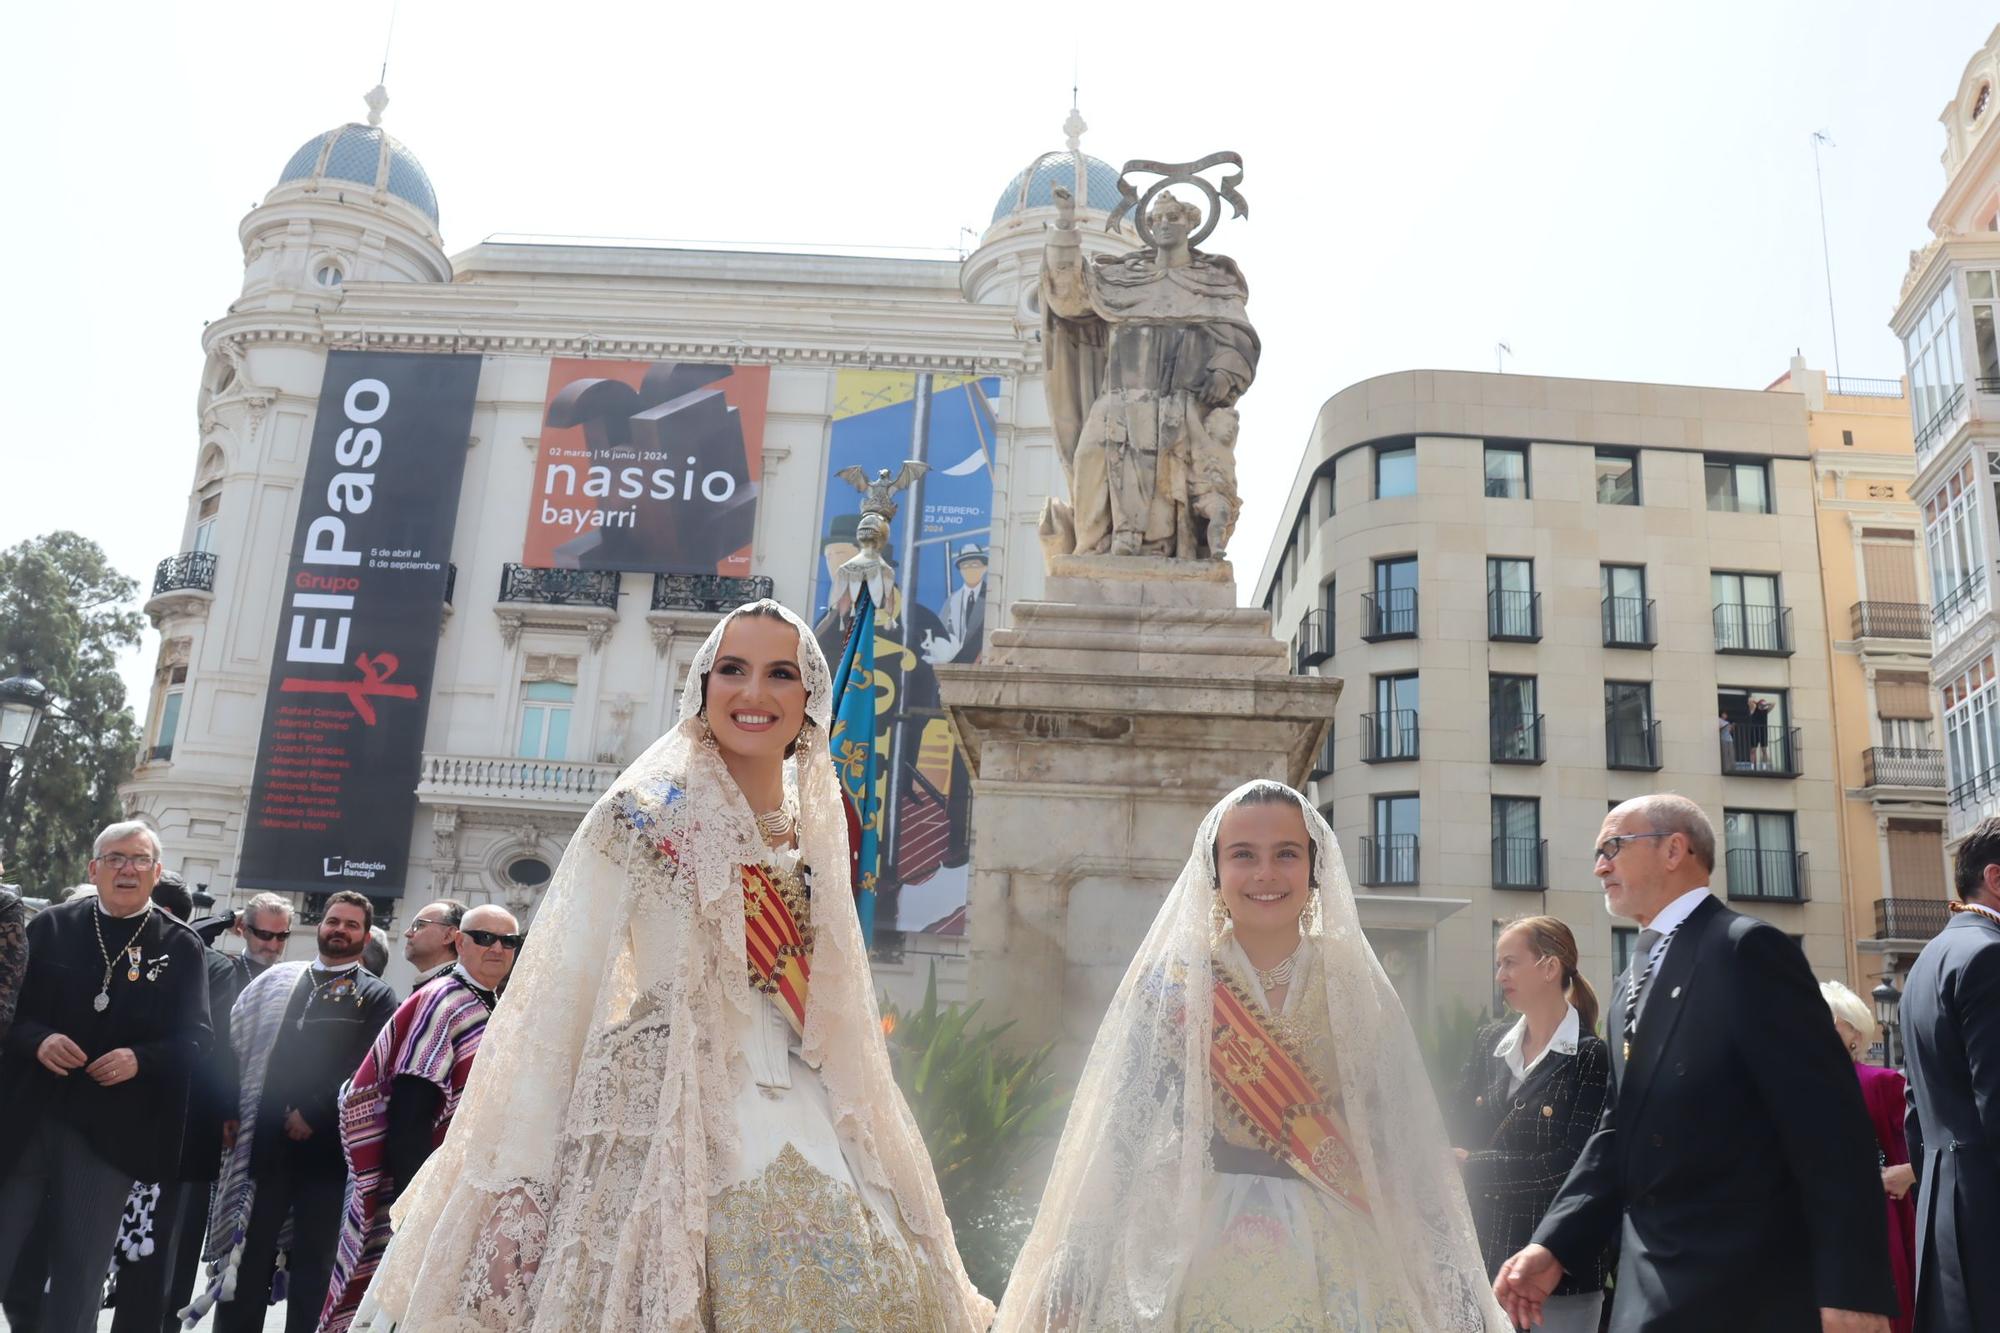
<point x="868" y="566"/>
<point x="1147" y="353"/>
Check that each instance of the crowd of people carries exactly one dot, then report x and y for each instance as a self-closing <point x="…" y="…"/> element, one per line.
<point x="685" y="1117"/>
<point x="186" y="1129"/>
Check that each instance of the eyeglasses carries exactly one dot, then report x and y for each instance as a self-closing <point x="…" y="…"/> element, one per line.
<point x="1608" y="849"/>
<point x="486" y="939"/>
<point x="270" y="936"/>
<point x="423" y="921"/>
<point x="120" y="861"/>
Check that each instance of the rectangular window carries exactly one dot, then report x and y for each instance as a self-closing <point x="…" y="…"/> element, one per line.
<point x="1738" y="486"/>
<point x="1393" y="605"/>
<point x="1392" y="855"/>
<point x="1981" y="288"/>
<point x="1624" y="939"/>
<point x="1507" y="471"/>
<point x="1749" y="613"/>
<point x="1628" y="620"/>
<point x="1390" y="733"/>
<point x="545" y="710"/>
<point x="1756" y="734"/>
<point x="1395" y="471"/>
<point x="1971" y="733"/>
<point x="1762" y="855"/>
<point x="1617" y="477"/>
<point x="1322" y="499"/>
<point x="1631" y="736"/>
<point x="1957" y="548"/>
<point x="170" y="720"/>
<point x="1512" y="609"/>
<point x="1516" y="725"/>
<point x="204" y="522"/>
<point x="1517" y="843"/>
<point x="1937" y="381"/>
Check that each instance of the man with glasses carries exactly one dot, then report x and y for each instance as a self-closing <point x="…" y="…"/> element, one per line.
<point x="112" y="1020"/>
<point x="402" y="1099"/>
<point x="1736" y="1164"/>
<point x="265" y="925"/>
<point x="431" y="941"/>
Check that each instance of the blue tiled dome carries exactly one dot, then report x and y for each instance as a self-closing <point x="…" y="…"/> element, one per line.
<point x="1100" y="184"/>
<point x="366" y="155"/>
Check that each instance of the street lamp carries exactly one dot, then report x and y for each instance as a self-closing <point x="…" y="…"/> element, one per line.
<point x="23" y="700"/>
<point x="1888" y="1000"/>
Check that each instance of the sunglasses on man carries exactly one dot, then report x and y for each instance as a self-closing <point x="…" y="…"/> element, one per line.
<point x="269" y="936"/>
<point x="486" y="939"/>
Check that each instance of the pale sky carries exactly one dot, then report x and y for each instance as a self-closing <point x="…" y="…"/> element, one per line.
<point x="1617" y="191"/>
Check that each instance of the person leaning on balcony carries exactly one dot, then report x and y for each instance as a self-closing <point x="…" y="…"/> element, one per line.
<point x="1734" y="1167"/>
<point x="1951" y="1043"/>
<point x="1531" y="1095"/>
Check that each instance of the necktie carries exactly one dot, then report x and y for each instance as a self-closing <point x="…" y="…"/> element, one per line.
<point x="1642" y="979"/>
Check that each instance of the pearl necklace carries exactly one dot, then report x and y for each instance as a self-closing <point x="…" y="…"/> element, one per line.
<point x="777" y="826"/>
<point x="1281" y="975"/>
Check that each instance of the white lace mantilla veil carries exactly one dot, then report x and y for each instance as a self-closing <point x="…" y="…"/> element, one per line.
<point x="597" y="1123"/>
<point x="1119" y="1218"/>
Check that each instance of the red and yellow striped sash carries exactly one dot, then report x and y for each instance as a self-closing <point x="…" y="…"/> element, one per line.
<point x="1278" y="1099"/>
<point x="780" y="960"/>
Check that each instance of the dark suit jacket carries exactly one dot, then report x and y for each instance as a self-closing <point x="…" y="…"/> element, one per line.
<point x="1951" y="1035"/>
<point x="1521" y="1145"/>
<point x="1736" y="1165"/>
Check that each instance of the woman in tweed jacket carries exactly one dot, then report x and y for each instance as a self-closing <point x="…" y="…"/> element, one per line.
<point x="1532" y="1093"/>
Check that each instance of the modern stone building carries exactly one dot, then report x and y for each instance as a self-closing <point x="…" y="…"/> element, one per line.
<point x="1545" y="596"/>
<point x="549" y="680"/>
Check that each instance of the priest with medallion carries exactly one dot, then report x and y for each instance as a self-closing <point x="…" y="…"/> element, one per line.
<point x="113" y="1017"/>
<point x="300" y="1030"/>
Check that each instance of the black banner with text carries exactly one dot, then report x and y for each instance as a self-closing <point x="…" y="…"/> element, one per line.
<point x="342" y="747"/>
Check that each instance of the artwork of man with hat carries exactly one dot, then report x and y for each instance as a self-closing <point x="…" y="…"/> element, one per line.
<point x="964" y="612"/>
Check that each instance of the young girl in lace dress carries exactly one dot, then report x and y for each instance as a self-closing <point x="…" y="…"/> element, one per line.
<point x="683" y="1115"/>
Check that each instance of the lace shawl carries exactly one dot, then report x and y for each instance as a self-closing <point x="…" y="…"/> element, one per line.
<point x="1121" y="1214"/>
<point x="573" y="1190"/>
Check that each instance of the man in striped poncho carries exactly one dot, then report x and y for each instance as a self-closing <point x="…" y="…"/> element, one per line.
<point x="402" y="1098"/>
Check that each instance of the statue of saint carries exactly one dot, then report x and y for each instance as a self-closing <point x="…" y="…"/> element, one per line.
<point x="1147" y="353"/>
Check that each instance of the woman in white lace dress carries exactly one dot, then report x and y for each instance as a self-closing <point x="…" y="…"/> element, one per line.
<point x="1254" y="1145"/>
<point x="683" y="1116"/>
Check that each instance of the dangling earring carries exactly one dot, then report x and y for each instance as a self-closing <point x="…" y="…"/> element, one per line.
<point x="1218" y="917"/>
<point x="707" y="734"/>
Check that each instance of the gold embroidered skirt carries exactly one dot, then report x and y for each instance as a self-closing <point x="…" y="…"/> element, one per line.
<point x="1279" y="1256"/>
<point x="796" y="1250"/>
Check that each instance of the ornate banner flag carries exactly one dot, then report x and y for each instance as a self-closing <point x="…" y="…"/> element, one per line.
<point x="853" y="747"/>
<point x="1278" y="1099"/>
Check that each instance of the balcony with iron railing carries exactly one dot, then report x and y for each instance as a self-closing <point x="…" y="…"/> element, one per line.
<point x="1900" y="766"/>
<point x="1851" y="386"/>
<point x="1313" y="644"/>
<point x="1389" y="613"/>
<point x="1389" y="737"/>
<point x="1910" y="918"/>
<point x="1322" y="764"/>
<point x="560" y="782"/>
<point x="1760" y="752"/>
<point x="1629" y="746"/>
<point x="1960" y="598"/>
<point x="559" y="587"/>
<point x="1389" y="860"/>
<point x="707" y="592"/>
<point x="1934" y="431"/>
<point x="1891" y="620"/>
<point x="190" y="571"/>
<point x="1520" y="863"/>
<point x="1513" y="616"/>
<point x="1630" y="622"/>
<point x="1756" y="875"/>
<point x="1517" y="740"/>
<point x="1989" y="383"/>
<point x="1757" y="631"/>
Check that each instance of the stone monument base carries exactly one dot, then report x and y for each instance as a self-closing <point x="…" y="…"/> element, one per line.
<point x="1106" y="721"/>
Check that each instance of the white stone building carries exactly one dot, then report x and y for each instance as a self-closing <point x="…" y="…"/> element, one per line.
<point x="578" y="676"/>
<point x="1946" y="318"/>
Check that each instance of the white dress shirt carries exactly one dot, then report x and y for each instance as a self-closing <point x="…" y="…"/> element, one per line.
<point x="1671" y="916"/>
<point x="1509" y="1049"/>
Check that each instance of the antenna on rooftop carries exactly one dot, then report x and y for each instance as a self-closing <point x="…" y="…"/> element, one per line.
<point x="1501" y="351"/>
<point x="1826" y="255"/>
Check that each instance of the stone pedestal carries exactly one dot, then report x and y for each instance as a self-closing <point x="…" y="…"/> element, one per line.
<point x="1100" y="729"/>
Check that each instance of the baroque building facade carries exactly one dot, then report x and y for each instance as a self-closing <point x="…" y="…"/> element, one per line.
<point x="548" y="681"/>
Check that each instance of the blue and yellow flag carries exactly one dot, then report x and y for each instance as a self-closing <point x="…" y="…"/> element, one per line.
<point x="853" y="746"/>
